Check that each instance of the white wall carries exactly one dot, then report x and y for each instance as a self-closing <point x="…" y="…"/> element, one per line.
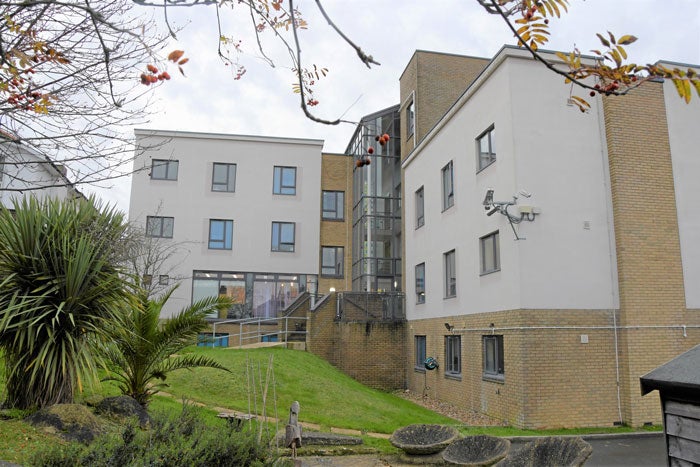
<point x="24" y="172"/>
<point x="543" y="146"/>
<point x="684" y="138"/>
<point x="252" y="207"/>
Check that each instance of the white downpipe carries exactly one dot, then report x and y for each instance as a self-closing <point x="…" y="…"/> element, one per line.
<point x="605" y="164"/>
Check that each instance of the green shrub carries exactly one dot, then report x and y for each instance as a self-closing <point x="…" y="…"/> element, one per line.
<point x="183" y="440"/>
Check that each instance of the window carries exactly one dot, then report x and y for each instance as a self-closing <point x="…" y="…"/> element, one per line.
<point x="223" y="177"/>
<point x="157" y="226"/>
<point x="420" y="283"/>
<point x="285" y="181"/>
<point x="162" y="169"/>
<point x="448" y="198"/>
<point x="420" y="208"/>
<point x="450" y="274"/>
<point x="163" y="279"/>
<point x="493" y="357"/>
<point x="220" y="234"/>
<point x="333" y="205"/>
<point x="419" y="342"/>
<point x="147" y="280"/>
<point x="453" y="355"/>
<point x="332" y="261"/>
<point x="410" y="119"/>
<point x="486" y="149"/>
<point x="283" y="236"/>
<point x="490" y="256"/>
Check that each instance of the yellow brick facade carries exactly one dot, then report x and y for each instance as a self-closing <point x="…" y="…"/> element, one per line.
<point x="650" y="274"/>
<point x="436" y="80"/>
<point x="336" y="175"/>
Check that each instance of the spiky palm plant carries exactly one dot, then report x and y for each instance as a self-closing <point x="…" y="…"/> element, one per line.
<point x="60" y="286"/>
<point x="144" y="350"/>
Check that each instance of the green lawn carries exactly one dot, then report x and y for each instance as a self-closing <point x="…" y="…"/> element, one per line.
<point x="327" y="396"/>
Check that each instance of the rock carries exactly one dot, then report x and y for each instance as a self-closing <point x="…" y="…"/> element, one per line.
<point x="476" y="451"/>
<point x="553" y="451"/>
<point x="422" y="439"/>
<point x="316" y="438"/>
<point x="122" y="408"/>
<point x="73" y="422"/>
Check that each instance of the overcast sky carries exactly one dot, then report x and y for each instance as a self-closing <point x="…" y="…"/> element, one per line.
<point x="262" y="102"/>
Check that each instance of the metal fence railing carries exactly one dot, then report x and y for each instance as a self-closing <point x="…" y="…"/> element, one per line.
<point x="370" y="306"/>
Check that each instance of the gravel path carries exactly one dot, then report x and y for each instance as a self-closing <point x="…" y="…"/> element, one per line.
<point x="467" y="417"/>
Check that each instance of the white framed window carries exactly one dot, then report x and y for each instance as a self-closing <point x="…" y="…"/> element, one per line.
<point x="420" y="208"/>
<point x="284" y="181"/>
<point x="485" y="149"/>
<point x="420" y="353"/>
<point x="450" y="274"/>
<point x="420" y="283"/>
<point x="489" y="252"/>
<point x="448" y="198"/>
<point x="332" y="261"/>
<point x="163" y="169"/>
<point x="453" y="356"/>
<point x="493" y="357"/>
<point x="283" y="236"/>
<point x="223" y="177"/>
<point x="159" y="226"/>
<point x="220" y="234"/>
<point x="411" y="119"/>
<point x="333" y="205"/>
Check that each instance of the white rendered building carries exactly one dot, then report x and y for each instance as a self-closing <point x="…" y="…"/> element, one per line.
<point x="244" y="209"/>
<point x="551" y="319"/>
<point x="24" y="171"/>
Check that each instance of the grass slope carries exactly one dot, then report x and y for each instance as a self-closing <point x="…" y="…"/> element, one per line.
<point x="327" y="396"/>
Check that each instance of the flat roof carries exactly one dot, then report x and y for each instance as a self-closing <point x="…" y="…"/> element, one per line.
<point x="227" y="136"/>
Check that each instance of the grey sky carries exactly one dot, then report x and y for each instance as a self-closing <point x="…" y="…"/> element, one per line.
<point x="262" y="102"/>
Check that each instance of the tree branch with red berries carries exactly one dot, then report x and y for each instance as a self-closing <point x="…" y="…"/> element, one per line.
<point x="605" y="72"/>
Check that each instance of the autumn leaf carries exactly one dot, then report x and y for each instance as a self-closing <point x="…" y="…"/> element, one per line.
<point x="175" y="55"/>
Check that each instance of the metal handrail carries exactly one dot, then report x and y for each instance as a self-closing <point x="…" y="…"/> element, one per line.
<point x="258" y="334"/>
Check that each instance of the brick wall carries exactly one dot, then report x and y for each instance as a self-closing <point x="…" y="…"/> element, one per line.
<point x="551" y="378"/>
<point x="372" y="352"/>
<point x="649" y="265"/>
<point x="438" y="79"/>
<point x="336" y="175"/>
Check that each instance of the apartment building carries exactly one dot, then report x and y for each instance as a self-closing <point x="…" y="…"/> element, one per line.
<point x="550" y="255"/>
<point x="244" y="212"/>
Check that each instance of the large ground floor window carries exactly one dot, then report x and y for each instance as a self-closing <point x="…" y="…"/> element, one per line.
<point x="254" y="295"/>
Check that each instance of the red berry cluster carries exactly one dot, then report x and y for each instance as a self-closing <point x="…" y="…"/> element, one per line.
<point x="607" y="89"/>
<point x="382" y="140"/>
<point x="153" y="76"/>
<point x="19" y="97"/>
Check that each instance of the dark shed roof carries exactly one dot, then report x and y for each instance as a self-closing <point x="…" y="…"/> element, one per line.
<point x="679" y="376"/>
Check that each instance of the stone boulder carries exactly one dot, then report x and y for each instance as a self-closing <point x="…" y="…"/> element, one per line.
<point x="476" y="451"/>
<point x="122" y="408"/>
<point x="423" y="439"/>
<point x="553" y="451"/>
<point x="73" y="422"/>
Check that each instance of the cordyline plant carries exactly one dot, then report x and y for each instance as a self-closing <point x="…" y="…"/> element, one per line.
<point x="143" y="349"/>
<point x="61" y="287"/>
